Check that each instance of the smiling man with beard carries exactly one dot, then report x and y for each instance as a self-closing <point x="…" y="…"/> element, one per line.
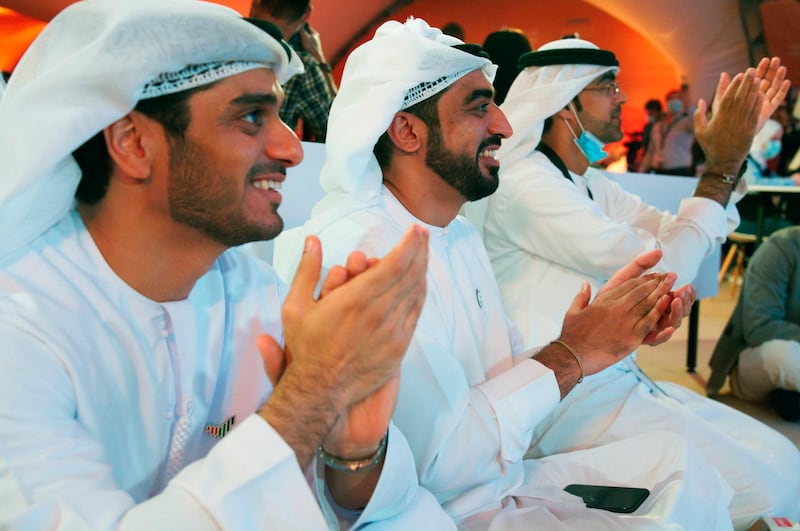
<point x="410" y="145"/>
<point x="555" y="224"/>
<point x="150" y="376"/>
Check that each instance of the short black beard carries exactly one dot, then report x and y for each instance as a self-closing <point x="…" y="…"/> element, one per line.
<point x="459" y="171"/>
<point x="201" y="201"/>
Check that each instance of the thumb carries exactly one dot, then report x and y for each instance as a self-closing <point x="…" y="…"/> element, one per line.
<point x="700" y="115"/>
<point x="308" y="270"/>
<point x="272" y="356"/>
<point x="581" y="300"/>
<point x="639" y="265"/>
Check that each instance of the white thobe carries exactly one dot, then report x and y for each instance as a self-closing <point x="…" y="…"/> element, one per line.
<point x="470" y="398"/>
<point x="545" y="236"/>
<point x="109" y="402"/>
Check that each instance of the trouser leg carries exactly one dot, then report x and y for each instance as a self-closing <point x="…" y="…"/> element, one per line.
<point x="771" y="365"/>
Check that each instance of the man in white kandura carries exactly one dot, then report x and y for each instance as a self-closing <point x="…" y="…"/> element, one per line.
<point x="409" y="145"/>
<point x="132" y="391"/>
<point x="556" y="223"/>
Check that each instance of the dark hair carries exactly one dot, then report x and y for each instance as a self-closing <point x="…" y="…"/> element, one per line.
<point x="290" y="10"/>
<point x="653" y="105"/>
<point x="548" y="122"/>
<point x="426" y="110"/>
<point x="171" y="111"/>
<point x="504" y="48"/>
<point x="95" y="164"/>
<point x="453" y="29"/>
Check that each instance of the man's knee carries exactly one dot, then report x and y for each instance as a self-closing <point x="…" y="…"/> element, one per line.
<point x="781" y="360"/>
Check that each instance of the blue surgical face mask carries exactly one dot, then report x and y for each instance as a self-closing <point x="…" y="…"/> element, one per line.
<point x="771" y="149"/>
<point x="675" y="106"/>
<point x="590" y="145"/>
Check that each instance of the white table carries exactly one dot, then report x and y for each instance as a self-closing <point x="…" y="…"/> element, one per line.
<point x="781" y="190"/>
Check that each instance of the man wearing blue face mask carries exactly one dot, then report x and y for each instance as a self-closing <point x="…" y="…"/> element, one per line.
<point x="766" y="146"/>
<point x="556" y="223"/>
<point x="670" y="149"/>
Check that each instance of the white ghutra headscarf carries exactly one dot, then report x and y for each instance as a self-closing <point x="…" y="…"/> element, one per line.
<point x="402" y="65"/>
<point x="88" y="68"/>
<point x="557" y="74"/>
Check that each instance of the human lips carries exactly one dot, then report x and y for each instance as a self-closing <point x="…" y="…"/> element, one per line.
<point x="267" y="177"/>
<point x="266" y="184"/>
<point x="490" y="153"/>
<point x="488" y="149"/>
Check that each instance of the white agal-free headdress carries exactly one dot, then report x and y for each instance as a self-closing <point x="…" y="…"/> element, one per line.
<point x="566" y="67"/>
<point x="87" y="69"/>
<point x="381" y="77"/>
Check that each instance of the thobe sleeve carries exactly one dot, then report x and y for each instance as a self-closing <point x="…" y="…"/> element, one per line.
<point x="463" y="434"/>
<point x="54" y="475"/>
<point x="597" y="237"/>
<point x="398" y="501"/>
<point x="771" y="281"/>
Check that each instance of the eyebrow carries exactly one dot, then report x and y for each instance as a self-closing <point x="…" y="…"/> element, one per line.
<point x="255" y="99"/>
<point x="478" y="94"/>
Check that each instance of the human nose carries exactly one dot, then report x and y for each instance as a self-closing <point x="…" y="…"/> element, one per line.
<point x="621" y="97"/>
<point x="499" y="124"/>
<point x="283" y="145"/>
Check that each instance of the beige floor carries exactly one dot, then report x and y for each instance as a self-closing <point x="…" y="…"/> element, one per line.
<point x="668" y="361"/>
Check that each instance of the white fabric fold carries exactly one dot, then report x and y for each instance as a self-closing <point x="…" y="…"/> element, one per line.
<point x="86" y="70"/>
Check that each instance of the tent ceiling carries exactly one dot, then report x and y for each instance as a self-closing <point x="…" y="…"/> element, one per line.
<point x="700" y="39"/>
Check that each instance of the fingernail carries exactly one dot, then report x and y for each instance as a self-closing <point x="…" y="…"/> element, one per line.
<point x="308" y="245"/>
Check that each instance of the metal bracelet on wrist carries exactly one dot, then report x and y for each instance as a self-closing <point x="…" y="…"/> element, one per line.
<point x="353" y="465"/>
<point x="728" y="178"/>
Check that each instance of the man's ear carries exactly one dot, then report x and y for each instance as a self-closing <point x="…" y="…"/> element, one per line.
<point x="408" y="132"/>
<point x="566" y="114"/>
<point x="129" y="145"/>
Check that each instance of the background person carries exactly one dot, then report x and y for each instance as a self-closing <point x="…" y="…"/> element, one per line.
<point x="310" y="93"/>
<point x="504" y="47"/>
<point x="760" y="346"/>
<point x="671" y="139"/>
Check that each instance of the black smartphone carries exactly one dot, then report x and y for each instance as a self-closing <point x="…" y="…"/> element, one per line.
<point x="608" y="498"/>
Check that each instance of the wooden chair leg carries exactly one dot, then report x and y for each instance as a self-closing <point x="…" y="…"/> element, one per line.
<point x="723" y="270"/>
<point x="738" y="270"/>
